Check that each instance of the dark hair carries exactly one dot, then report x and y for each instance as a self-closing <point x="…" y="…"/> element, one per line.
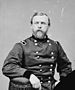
<point x="40" y="14"/>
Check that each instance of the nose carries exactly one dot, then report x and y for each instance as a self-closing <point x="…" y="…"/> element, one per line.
<point x="39" y="26"/>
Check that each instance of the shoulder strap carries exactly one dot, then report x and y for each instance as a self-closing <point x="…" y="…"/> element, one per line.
<point x="23" y="42"/>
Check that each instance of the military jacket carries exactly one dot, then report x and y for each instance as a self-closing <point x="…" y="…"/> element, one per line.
<point x="39" y="57"/>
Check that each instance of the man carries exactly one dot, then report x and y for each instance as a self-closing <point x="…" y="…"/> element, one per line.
<point x="31" y="63"/>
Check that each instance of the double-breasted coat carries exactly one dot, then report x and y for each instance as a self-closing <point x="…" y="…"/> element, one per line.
<point x="38" y="57"/>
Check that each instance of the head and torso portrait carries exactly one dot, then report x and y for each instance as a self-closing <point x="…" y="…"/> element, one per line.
<point x="31" y="63"/>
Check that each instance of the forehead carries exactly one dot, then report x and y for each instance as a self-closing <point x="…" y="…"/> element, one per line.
<point x="43" y="18"/>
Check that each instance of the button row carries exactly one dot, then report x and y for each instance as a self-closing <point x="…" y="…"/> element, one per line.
<point x="45" y="79"/>
<point x="48" y="82"/>
<point x="52" y="53"/>
<point x="49" y="78"/>
<point x="51" y="65"/>
<point x="49" y="70"/>
<point x="35" y="41"/>
<point x="37" y="44"/>
<point x="39" y="57"/>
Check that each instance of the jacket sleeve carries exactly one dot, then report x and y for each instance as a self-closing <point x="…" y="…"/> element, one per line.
<point x="12" y="66"/>
<point x="63" y="63"/>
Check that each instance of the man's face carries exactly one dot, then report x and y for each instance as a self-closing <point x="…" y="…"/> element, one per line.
<point x="40" y="26"/>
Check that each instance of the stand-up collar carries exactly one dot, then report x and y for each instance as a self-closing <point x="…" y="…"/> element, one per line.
<point x="39" y="40"/>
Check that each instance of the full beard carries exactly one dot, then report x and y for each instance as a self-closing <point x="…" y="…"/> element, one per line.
<point x="40" y="34"/>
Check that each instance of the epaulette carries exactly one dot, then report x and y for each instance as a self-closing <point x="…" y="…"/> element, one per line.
<point x="23" y="42"/>
<point x="56" y="42"/>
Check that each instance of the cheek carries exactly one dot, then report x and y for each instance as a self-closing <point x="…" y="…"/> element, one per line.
<point x="45" y="29"/>
<point x="34" y="27"/>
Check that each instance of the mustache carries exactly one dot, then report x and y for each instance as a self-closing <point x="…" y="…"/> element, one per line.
<point x="39" y="31"/>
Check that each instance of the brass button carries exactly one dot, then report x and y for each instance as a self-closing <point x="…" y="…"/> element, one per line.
<point x="52" y="53"/>
<point x="52" y="57"/>
<point x="41" y="78"/>
<point x="41" y="82"/>
<point x="50" y="69"/>
<point x="47" y="40"/>
<point x="49" y="44"/>
<point x="51" y="65"/>
<point x="37" y="52"/>
<point x="38" y="57"/>
<point x="49" y="77"/>
<point x="40" y="65"/>
<point x="36" y="44"/>
<point x="40" y="70"/>
<point x="35" y="40"/>
<point x="49" y="81"/>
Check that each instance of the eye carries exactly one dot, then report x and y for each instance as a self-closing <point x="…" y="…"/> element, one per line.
<point x="36" y="23"/>
<point x="43" y="23"/>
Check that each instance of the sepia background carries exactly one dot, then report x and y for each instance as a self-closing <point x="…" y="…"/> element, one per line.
<point x="15" y="26"/>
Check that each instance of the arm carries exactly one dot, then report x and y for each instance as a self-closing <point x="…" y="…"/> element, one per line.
<point x="63" y="63"/>
<point x="13" y="63"/>
<point x="13" y="68"/>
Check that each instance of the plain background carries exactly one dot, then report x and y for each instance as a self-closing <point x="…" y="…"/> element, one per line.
<point x="15" y="26"/>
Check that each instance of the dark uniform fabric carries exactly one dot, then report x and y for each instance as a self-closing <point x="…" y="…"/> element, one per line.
<point x="68" y="83"/>
<point x="35" y="56"/>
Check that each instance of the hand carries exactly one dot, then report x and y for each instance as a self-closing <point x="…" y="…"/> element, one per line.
<point x="35" y="81"/>
<point x="56" y="83"/>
